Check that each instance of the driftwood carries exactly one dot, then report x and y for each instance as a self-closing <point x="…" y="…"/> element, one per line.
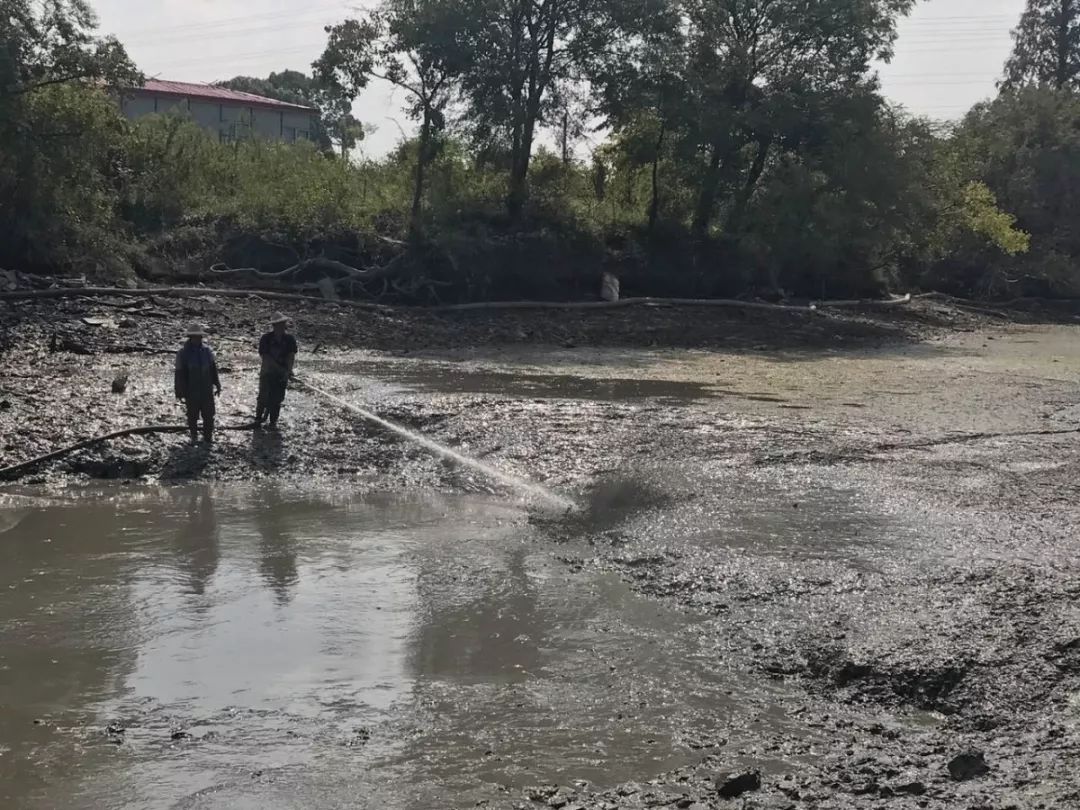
<point x="16" y="470"/>
<point x="318" y="265"/>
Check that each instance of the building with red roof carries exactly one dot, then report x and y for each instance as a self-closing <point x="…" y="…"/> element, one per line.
<point x="231" y="114"/>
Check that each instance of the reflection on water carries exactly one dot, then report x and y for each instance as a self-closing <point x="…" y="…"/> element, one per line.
<point x="197" y="542"/>
<point x="266" y="647"/>
<point x="277" y="550"/>
<point x="495" y="635"/>
<point x="455" y="378"/>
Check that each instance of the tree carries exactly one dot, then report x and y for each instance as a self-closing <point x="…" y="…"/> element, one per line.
<point x="59" y="131"/>
<point x="640" y="81"/>
<point x="1046" y="47"/>
<point x="748" y="60"/>
<point x="1024" y="146"/>
<point x="399" y="43"/>
<point x="338" y="128"/>
<point x="54" y="42"/>
<point x="516" y="60"/>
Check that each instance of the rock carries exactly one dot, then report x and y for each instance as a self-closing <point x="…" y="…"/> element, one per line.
<point x="969" y="765"/>
<point x="180" y="735"/>
<point x="911" y="788"/>
<point x="119" y="383"/>
<point x="327" y="289"/>
<point x="732" y="787"/>
<point x="540" y="793"/>
<point x="128" y="323"/>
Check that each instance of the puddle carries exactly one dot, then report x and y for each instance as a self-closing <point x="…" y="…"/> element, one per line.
<point x="254" y="647"/>
<point x="442" y="378"/>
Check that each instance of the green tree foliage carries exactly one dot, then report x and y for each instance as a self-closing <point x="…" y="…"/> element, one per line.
<point x="58" y="131"/>
<point x="745" y="144"/>
<point x="752" y="65"/>
<point x="398" y="43"/>
<point x="1024" y="146"/>
<point x="514" y="62"/>
<point x="57" y="168"/>
<point x="49" y="42"/>
<point x="1046" y="45"/>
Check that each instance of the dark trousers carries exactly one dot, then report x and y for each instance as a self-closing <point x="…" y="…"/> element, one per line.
<point x="272" y="389"/>
<point x="201" y="407"/>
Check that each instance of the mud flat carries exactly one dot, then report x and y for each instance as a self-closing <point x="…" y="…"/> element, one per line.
<point x="838" y="552"/>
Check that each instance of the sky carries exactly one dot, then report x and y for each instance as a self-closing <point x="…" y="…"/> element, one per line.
<point x="949" y="55"/>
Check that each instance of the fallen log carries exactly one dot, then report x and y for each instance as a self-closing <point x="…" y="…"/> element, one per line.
<point x="174" y="292"/>
<point x="187" y="292"/>
<point x="16" y="470"/>
<point x="668" y="302"/>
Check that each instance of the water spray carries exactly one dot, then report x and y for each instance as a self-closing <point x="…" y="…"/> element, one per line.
<point x="507" y="479"/>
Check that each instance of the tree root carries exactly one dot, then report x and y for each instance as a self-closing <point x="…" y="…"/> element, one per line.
<point x="318" y="265"/>
<point x="17" y="470"/>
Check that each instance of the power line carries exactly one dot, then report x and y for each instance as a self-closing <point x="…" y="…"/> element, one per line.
<point x="243" y="57"/>
<point x="230" y="21"/>
<point x="988" y="80"/>
<point x="225" y="34"/>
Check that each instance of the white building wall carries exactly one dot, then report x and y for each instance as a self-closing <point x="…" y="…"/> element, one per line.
<point x="227" y="121"/>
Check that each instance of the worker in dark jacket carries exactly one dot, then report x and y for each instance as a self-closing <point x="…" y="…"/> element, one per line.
<point x="277" y="350"/>
<point x="197" y="383"/>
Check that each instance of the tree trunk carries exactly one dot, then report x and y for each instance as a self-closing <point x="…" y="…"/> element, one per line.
<point x="654" y="204"/>
<point x="519" y="173"/>
<point x="1061" y="77"/>
<point x="707" y="197"/>
<point x="742" y="200"/>
<point x="421" y="170"/>
<point x="566" y="139"/>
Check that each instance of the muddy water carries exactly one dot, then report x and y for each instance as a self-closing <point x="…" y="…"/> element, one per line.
<point x="962" y="382"/>
<point x="233" y="647"/>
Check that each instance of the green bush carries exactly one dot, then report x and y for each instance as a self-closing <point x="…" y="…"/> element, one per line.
<point x="60" y="167"/>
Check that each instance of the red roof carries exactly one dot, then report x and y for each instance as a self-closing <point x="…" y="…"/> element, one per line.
<point x="212" y="92"/>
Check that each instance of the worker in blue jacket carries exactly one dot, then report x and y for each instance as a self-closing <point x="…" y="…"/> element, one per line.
<point x="197" y="383"/>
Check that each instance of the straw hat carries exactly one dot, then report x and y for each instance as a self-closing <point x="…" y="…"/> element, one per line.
<point x="277" y="317"/>
<point x="196" y="331"/>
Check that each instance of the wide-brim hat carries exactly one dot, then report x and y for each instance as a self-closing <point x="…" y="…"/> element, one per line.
<point x="277" y="317"/>
<point x="196" y="331"/>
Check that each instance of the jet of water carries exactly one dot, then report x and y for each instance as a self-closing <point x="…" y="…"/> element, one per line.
<point x="509" y="480"/>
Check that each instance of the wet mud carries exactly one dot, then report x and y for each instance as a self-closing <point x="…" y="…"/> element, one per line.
<point x="824" y="564"/>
